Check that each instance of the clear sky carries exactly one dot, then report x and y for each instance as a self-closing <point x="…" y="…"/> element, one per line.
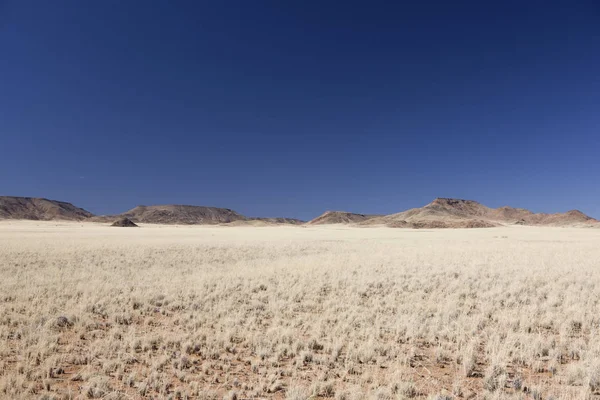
<point x="279" y="108"/>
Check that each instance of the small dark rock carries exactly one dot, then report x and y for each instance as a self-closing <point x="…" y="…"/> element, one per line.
<point x="124" y="223"/>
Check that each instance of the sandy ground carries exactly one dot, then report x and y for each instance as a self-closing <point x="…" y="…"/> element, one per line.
<point x="91" y="311"/>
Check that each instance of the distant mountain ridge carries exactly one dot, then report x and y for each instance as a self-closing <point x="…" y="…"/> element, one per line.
<point x="440" y="213"/>
<point x="40" y="209"/>
<point x="459" y="213"/>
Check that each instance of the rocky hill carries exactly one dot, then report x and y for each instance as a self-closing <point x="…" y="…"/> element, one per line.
<point x="340" y="217"/>
<point x="459" y="213"/>
<point x="40" y="209"/>
<point x="124" y="223"/>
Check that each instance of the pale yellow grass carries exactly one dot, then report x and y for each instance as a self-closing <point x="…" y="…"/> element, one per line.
<point x="90" y="311"/>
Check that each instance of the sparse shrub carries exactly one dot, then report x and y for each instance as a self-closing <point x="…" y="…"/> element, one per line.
<point x="232" y="395"/>
<point x="383" y="393"/>
<point x="594" y="378"/>
<point x="517" y="383"/>
<point x="207" y="395"/>
<point x="405" y="389"/>
<point x="468" y="360"/>
<point x="306" y="356"/>
<point x="342" y="395"/>
<point x="575" y="374"/>
<point x="457" y="388"/>
<point x="314" y="345"/>
<point x="297" y="393"/>
<point x="440" y="397"/>
<point x="327" y="390"/>
<point x="495" y="378"/>
<point x="97" y="387"/>
<point x="63" y="322"/>
<point x="442" y="355"/>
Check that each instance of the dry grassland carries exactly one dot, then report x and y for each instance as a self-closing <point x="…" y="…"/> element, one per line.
<point x="89" y="311"/>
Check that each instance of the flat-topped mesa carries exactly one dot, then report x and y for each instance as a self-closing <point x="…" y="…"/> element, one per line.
<point x="182" y="214"/>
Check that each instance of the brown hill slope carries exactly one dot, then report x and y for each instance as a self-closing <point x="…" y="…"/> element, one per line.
<point x="176" y="214"/>
<point x="340" y="217"/>
<point x="40" y="209"/>
<point x="278" y="220"/>
<point x="266" y="221"/>
<point x="458" y="213"/>
<point x="570" y="218"/>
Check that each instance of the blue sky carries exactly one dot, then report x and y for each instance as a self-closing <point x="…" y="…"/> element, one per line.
<point x="292" y="108"/>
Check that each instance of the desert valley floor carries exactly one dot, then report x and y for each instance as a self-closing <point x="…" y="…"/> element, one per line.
<point x="298" y="312"/>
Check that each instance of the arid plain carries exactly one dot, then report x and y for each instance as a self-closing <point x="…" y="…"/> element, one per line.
<point x="298" y="312"/>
